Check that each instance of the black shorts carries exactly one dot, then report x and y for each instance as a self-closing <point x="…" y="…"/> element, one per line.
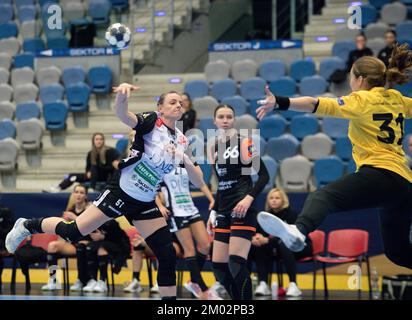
<point x="227" y="227"/>
<point x="179" y="223"/>
<point x="114" y="202"/>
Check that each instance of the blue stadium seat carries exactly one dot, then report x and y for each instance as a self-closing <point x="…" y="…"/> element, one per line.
<point x="58" y="42"/>
<point x="7" y="129"/>
<point x="24" y="60"/>
<point x="282" y="147"/>
<point x="351" y="167"/>
<point x="272" y="70"/>
<point x="302" y="68"/>
<point x="272" y="167"/>
<point x="207" y="172"/>
<point x="20" y="3"/>
<point x="204" y="125"/>
<point x="121" y="145"/>
<point x="253" y="88"/>
<point x="197" y="88"/>
<point x="100" y="79"/>
<point x="8" y="30"/>
<point x="369" y="14"/>
<point x="9" y="2"/>
<point x="405" y="89"/>
<point x="408" y="41"/>
<point x="33" y="45"/>
<point x="99" y="11"/>
<point x="120" y="4"/>
<point x="55" y="115"/>
<point x="238" y="103"/>
<point x="334" y="127"/>
<point x="78" y="97"/>
<point x="284" y="86"/>
<point x="408" y="126"/>
<point x="378" y="4"/>
<point x="43" y="2"/>
<point x="327" y="170"/>
<point x="26" y="13"/>
<point x="72" y="75"/>
<point x="6" y="13"/>
<point x="403" y="29"/>
<point x="342" y="49"/>
<point x="330" y="65"/>
<point x="51" y="93"/>
<point x="313" y="86"/>
<point x="303" y="125"/>
<point x="343" y="148"/>
<point x="253" y="105"/>
<point x="222" y="89"/>
<point x="260" y="143"/>
<point x="289" y="114"/>
<point x="53" y="33"/>
<point x="272" y="126"/>
<point x="27" y="110"/>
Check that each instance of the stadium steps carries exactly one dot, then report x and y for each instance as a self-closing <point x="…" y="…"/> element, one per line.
<point x="323" y="25"/>
<point x="58" y="161"/>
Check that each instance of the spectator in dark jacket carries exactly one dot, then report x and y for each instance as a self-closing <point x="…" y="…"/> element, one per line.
<point x="6" y="224"/>
<point x="101" y="162"/>
<point x="360" y="51"/>
<point x="264" y="246"/>
<point x="189" y="115"/>
<point x="385" y="53"/>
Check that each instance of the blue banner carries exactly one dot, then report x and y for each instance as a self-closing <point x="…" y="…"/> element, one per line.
<point x="255" y="45"/>
<point x="78" y="52"/>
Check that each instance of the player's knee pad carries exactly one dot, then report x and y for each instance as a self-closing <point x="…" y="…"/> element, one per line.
<point x="221" y="271"/>
<point x="237" y="265"/>
<point x="161" y="244"/>
<point x="241" y="276"/>
<point x="69" y="231"/>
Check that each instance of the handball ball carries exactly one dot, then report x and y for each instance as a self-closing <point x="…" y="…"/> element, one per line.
<point x="118" y="36"/>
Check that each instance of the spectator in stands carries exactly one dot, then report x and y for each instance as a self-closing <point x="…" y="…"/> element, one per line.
<point x="6" y="224"/>
<point x="385" y="53"/>
<point x="360" y="51"/>
<point x="141" y="249"/>
<point x="189" y="115"/>
<point x="101" y="162"/>
<point x="264" y="245"/>
<point x="77" y="204"/>
<point x="109" y="241"/>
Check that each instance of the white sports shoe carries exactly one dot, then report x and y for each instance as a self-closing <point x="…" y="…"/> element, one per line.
<point x="193" y="288"/>
<point x="90" y="285"/>
<point x="289" y="234"/>
<point x="16" y="235"/>
<point x="134" y="286"/>
<point x="100" y="287"/>
<point x="262" y="289"/>
<point x="154" y="289"/>
<point x="293" y="290"/>
<point x="219" y="289"/>
<point x="213" y="295"/>
<point x="77" y="286"/>
<point x="52" y="189"/>
<point x="51" y="286"/>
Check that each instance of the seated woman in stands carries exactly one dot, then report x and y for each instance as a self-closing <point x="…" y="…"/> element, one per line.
<point x="101" y="162"/>
<point x="264" y="246"/>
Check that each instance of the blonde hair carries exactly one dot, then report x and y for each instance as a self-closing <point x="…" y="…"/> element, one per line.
<point x="71" y="201"/>
<point x="283" y="195"/>
<point x="101" y="152"/>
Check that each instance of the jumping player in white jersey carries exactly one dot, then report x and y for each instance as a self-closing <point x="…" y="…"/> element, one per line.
<point x="186" y="222"/>
<point x="157" y="148"/>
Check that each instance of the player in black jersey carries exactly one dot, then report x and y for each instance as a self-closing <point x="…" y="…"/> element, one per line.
<point x="233" y="219"/>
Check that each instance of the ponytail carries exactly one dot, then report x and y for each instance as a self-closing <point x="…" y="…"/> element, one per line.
<point x="400" y="65"/>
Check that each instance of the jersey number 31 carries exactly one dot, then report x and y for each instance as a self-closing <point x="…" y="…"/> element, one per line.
<point x="387" y="119"/>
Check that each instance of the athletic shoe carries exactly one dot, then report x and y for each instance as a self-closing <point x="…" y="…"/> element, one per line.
<point x="77" y="286"/>
<point x="262" y="289"/>
<point x="293" y="290"/>
<point x="134" y="286"/>
<point x="90" y="286"/>
<point x="100" y="287"/>
<point x="218" y="289"/>
<point x="16" y="235"/>
<point x="212" y="295"/>
<point x="52" y="189"/>
<point x="154" y="289"/>
<point x="289" y="234"/>
<point x="193" y="288"/>
<point x="51" y="286"/>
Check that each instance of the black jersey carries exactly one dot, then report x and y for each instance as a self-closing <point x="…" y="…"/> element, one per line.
<point x="233" y="183"/>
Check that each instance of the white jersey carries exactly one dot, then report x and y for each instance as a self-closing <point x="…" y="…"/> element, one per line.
<point x="143" y="171"/>
<point x="175" y="189"/>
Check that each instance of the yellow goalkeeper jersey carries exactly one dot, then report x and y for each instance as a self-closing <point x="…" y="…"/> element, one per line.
<point x="376" y="126"/>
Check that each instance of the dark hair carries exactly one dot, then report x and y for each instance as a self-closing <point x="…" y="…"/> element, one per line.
<point x="392" y="31"/>
<point x="188" y="98"/>
<point x="375" y="72"/>
<point x="220" y="106"/>
<point x="164" y="95"/>
<point x="361" y="34"/>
